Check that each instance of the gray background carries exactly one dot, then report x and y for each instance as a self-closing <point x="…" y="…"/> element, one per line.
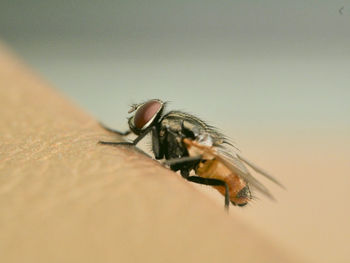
<point x="270" y="64"/>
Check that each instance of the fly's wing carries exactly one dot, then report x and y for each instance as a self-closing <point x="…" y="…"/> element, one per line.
<point x="237" y="166"/>
<point x="260" y="171"/>
<point x="233" y="163"/>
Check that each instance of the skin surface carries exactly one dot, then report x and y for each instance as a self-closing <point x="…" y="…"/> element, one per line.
<point x="64" y="198"/>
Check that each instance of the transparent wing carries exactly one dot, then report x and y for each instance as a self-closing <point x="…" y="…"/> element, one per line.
<point x="237" y="166"/>
<point x="260" y="171"/>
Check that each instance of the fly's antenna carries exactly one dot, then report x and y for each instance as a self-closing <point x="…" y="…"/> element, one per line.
<point x="133" y="107"/>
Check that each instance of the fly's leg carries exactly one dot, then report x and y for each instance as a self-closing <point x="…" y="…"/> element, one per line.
<point x="211" y="182"/>
<point x="115" y="131"/>
<point x="117" y="143"/>
<point x="184" y="163"/>
<point x="157" y="147"/>
<point x="197" y="179"/>
<point x="133" y="143"/>
<point x="183" y="160"/>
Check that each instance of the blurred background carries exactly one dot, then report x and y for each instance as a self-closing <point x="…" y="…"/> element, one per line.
<point x="274" y="76"/>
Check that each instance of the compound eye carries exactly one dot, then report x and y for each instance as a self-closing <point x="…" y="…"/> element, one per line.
<point x="146" y="113"/>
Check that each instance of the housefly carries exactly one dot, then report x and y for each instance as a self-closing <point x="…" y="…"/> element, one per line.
<point x="189" y="144"/>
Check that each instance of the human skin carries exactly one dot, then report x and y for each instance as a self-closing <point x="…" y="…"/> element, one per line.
<point x="65" y="198"/>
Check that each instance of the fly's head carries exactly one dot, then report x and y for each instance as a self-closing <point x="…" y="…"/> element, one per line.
<point x="146" y="115"/>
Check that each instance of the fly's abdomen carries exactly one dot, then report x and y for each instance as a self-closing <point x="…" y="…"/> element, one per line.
<point x="239" y="191"/>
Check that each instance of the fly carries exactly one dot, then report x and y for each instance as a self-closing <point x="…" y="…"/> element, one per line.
<point x="189" y="144"/>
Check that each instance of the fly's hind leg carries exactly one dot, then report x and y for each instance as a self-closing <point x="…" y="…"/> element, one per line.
<point x="185" y="173"/>
<point x="211" y="182"/>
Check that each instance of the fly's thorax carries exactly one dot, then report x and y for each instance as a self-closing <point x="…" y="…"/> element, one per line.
<point x="171" y="136"/>
<point x="190" y="124"/>
<point x="171" y="141"/>
<point x="171" y="125"/>
<point x="146" y="114"/>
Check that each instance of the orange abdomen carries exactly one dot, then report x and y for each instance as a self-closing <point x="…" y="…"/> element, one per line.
<point x="239" y="189"/>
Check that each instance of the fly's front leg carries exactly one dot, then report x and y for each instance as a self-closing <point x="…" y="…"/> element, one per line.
<point x="115" y="131"/>
<point x="133" y="143"/>
<point x="117" y="143"/>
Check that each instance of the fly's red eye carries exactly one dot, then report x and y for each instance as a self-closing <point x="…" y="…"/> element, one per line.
<point x="146" y="113"/>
